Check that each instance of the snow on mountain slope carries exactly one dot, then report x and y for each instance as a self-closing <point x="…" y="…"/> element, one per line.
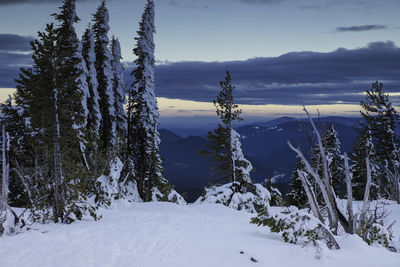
<point x="165" y="234"/>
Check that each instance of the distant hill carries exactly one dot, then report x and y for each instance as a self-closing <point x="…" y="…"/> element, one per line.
<point x="264" y="144"/>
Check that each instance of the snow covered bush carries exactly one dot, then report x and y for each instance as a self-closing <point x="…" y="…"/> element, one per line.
<point x="252" y="197"/>
<point x="296" y="226"/>
<point x="373" y="226"/>
<point x="11" y="223"/>
<point x="172" y="196"/>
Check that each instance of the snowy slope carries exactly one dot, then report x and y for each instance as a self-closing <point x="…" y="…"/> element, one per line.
<point x="165" y="234"/>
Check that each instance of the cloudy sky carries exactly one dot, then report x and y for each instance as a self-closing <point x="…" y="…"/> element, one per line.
<point x="281" y="53"/>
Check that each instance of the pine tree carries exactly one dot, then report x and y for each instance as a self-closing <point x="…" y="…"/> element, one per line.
<point x="119" y="94"/>
<point x="143" y="137"/>
<point x="36" y="95"/>
<point x="364" y="148"/>
<point x="17" y="147"/>
<point x="105" y="81"/>
<point x="94" y="115"/>
<point x="336" y="170"/>
<point x="380" y="117"/>
<point x="221" y="140"/>
<point x="51" y="99"/>
<point x="297" y="196"/>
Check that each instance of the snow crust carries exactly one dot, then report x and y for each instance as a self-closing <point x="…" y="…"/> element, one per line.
<point x="168" y="235"/>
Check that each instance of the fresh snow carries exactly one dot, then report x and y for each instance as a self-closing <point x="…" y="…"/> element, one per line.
<point x="165" y="234"/>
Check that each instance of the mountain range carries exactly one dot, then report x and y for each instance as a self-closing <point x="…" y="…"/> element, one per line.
<point x="264" y="143"/>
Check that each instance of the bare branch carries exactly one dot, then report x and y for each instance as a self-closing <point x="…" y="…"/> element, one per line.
<point x="349" y="177"/>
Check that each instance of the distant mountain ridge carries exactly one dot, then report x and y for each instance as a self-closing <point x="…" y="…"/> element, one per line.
<point x="264" y="144"/>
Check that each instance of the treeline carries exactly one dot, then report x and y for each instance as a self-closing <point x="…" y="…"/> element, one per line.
<point x="77" y="137"/>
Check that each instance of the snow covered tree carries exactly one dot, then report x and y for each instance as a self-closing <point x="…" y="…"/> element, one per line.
<point x="51" y="99"/>
<point x="143" y="137"/>
<point x="36" y="95"/>
<point x="119" y="94"/>
<point x="103" y="64"/>
<point x="71" y="74"/>
<point x="220" y="149"/>
<point x="241" y="166"/>
<point x="380" y="117"/>
<point x="363" y="148"/>
<point x="94" y="115"/>
<point x="18" y="145"/>
<point x="297" y="196"/>
<point x="331" y="145"/>
<point x="225" y="150"/>
<point x="336" y="170"/>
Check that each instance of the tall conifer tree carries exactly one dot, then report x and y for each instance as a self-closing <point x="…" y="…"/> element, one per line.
<point x="119" y="94"/>
<point x="220" y="140"/>
<point x="336" y="169"/>
<point x="105" y="81"/>
<point x="94" y="115"/>
<point x="364" y="148"/>
<point x="380" y="117"/>
<point x="297" y="196"/>
<point x="144" y="139"/>
<point x="52" y="97"/>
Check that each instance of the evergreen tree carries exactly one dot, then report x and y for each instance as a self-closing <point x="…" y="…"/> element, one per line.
<point x="51" y="98"/>
<point x="297" y="196"/>
<point x="331" y="145"/>
<point x="380" y="117"/>
<point x="37" y="95"/>
<point x="72" y="88"/>
<point x="119" y="93"/>
<point x="143" y="137"/>
<point x="241" y="166"/>
<point x="364" y="148"/>
<point x="18" y="147"/>
<point x="105" y="81"/>
<point x="336" y="169"/>
<point x="220" y="140"/>
<point x="94" y="115"/>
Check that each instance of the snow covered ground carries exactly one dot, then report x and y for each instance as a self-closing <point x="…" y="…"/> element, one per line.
<point x="165" y="234"/>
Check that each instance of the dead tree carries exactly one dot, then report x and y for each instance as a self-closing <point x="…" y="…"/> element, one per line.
<point x="324" y="183"/>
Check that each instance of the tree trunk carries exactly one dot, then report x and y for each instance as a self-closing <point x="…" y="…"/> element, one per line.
<point x="58" y="199"/>
<point x="4" y="193"/>
<point x="327" y="191"/>
<point x="310" y="196"/>
<point x="350" y="228"/>
<point x="366" y="193"/>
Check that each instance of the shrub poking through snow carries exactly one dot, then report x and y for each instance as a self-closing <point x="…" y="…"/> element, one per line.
<point x="246" y="196"/>
<point x="375" y="234"/>
<point x="296" y="226"/>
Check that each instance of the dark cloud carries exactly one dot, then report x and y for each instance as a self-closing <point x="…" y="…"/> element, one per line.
<point x="14" y="53"/>
<point x="294" y="78"/>
<point x="9" y="67"/>
<point x="361" y="28"/>
<point x="13" y="42"/>
<point x="15" y="2"/>
<point x="258" y="2"/>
